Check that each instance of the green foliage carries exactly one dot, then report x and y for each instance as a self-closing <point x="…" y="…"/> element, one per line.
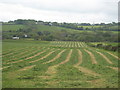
<point x="51" y="31"/>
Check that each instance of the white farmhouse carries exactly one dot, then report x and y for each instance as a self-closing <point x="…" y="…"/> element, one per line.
<point x="25" y="35"/>
<point x="15" y="38"/>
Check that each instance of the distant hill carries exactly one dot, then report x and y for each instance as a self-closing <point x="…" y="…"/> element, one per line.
<point x="63" y="32"/>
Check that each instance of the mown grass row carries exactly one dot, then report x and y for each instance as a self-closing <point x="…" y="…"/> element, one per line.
<point x="64" y="75"/>
<point x="68" y="44"/>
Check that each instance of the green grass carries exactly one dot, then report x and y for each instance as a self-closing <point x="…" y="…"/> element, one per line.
<point x="12" y="27"/>
<point x="64" y="75"/>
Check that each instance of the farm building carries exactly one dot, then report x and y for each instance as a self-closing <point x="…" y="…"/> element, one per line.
<point x="15" y="38"/>
<point x="25" y="35"/>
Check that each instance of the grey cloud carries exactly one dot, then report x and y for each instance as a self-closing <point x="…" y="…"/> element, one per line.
<point x="80" y="7"/>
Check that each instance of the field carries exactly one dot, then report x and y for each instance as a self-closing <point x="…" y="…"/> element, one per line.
<point x="57" y="64"/>
<point x="49" y="28"/>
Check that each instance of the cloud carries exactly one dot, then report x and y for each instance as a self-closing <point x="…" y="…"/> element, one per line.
<point x="60" y="10"/>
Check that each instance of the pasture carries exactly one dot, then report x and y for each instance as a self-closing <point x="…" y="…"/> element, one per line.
<point x="57" y="64"/>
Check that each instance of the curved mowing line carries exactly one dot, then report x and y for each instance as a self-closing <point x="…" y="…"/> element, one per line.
<point x="114" y="68"/>
<point x="23" y="52"/>
<point x="9" y="50"/>
<point x="34" y="51"/>
<point x="26" y="68"/>
<point x="84" y="45"/>
<point x="82" y="69"/>
<point x="87" y="71"/>
<point x="17" y="61"/>
<point x="52" y="69"/>
<point x="114" y="55"/>
<point x="108" y="60"/>
<point x="4" y="67"/>
<point x="92" y="57"/>
<point x="81" y="44"/>
<point x="79" y="58"/>
<point x="37" y="54"/>
<point x="67" y="59"/>
<point x="14" y="51"/>
<point x="78" y="45"/>
<point x="58" y="55"/>
<point x="43" y="57"/>
<point x="19" y="54"/>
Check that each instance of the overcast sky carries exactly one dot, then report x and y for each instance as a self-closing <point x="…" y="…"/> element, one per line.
<point x="74" y="11"/>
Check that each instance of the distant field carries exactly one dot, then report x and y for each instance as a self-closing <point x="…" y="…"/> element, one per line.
<point x="50" y="28"/>
<point x="57" y="64"/>
<point x="11" y="27"/>
<point x="38" y="28"/>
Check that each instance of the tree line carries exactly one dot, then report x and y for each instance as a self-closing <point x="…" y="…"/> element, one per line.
<point x="76" y="26"/>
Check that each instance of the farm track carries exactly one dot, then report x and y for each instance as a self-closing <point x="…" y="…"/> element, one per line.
<point x="92" y="57"/>
<point x="108" y="60"/>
